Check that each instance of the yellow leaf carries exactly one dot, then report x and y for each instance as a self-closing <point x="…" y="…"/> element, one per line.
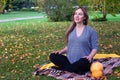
<point x="2" y="76"/>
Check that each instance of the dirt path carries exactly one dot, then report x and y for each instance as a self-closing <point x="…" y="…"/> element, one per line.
<point x="15" y="19"/>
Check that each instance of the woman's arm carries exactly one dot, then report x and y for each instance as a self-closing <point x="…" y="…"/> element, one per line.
<point x="94" y="45"/>
<point x="93" y="52"/>
<point x="61" y="51"/>
<point x="91" y="55"/>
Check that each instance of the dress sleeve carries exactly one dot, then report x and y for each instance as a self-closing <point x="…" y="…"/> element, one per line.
<point x="94" y="40"/>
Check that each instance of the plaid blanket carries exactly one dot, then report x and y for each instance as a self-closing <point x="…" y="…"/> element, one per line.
<point x="108" y="64"/>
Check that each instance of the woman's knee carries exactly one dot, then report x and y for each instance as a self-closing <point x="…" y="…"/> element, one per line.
<point x="51" y="56"/>
<point x="84" y="64"/>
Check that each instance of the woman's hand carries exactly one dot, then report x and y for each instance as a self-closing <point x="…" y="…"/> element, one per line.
<point x="91" y="55"/>
<point x="88" y="57"/>
<point x="57" y="52"/>
<point x="60" y="51"/>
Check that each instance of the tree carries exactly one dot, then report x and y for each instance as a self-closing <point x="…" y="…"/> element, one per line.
<point x="7" y="5"/>
<point x="19" y="4"/>
<point x="106" y="7"/>
<point x="83" y="3"/>
<point x="2" y="5"/>
<point x="39" y="4"/>
<point x="59" y="10"/>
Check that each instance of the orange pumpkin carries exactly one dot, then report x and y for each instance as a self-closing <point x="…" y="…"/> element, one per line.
<point x="97" y="74"/>
<point x="96" y="66"/>
<point x="96" y="69"/>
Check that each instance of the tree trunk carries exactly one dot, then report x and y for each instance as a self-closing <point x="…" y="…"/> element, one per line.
<point x="104" y="15"/>
<point x="104" y="11"/>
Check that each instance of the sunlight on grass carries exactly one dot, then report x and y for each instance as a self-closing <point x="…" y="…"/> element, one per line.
<point x="20" y="14"/>
<point x="98" y="14"/>
<point x="26" y="43"/>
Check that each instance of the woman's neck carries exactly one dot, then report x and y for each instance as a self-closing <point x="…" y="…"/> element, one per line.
<point x="80" y="25"/>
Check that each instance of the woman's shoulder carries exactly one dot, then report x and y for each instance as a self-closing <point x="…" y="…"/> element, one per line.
<point x="90" y="29"/>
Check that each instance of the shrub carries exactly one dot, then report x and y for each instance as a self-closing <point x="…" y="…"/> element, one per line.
<point x="59" y="10"/>
<point x="2" y="5"/>
<point x="99" y="19"/>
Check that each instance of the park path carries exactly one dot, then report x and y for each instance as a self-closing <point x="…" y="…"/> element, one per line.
<point x="15" y="19"/>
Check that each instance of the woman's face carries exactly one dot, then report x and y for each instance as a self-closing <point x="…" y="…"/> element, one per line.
<point x="78" y="16"/>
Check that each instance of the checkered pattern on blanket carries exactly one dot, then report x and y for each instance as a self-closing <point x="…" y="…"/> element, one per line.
<point x="108" y="64"/>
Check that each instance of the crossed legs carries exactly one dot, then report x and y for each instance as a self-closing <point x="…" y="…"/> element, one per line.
<point x="80" y="66"/>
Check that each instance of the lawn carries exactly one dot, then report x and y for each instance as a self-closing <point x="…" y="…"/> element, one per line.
<point x="98" y="14"/>
<point x="20" y="14"/>
<point x="23" y="14"/>
<point x="24" y="44"/>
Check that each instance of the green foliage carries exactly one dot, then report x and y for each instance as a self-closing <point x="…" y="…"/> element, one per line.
<point x="98" y="18"/>
<point x="83" y="2"/>
<point x="59" y="10"/>
<point x="105" y="6"/>
<point x="23" y="45"/>
<point x="39" y="4"/>
<point x="2" y="5"/>
<point x="18" y="4"/>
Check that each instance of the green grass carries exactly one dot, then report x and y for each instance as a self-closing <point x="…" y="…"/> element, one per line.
<point x="24" y="21"/>
<point x="109" y="16"/>
<point x="20" y="14"/>
<point x="26" y="43"/>
<point x="23" y="14"/>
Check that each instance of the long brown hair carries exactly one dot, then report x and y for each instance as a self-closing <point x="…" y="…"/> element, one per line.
<point x="73" y="24"/>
